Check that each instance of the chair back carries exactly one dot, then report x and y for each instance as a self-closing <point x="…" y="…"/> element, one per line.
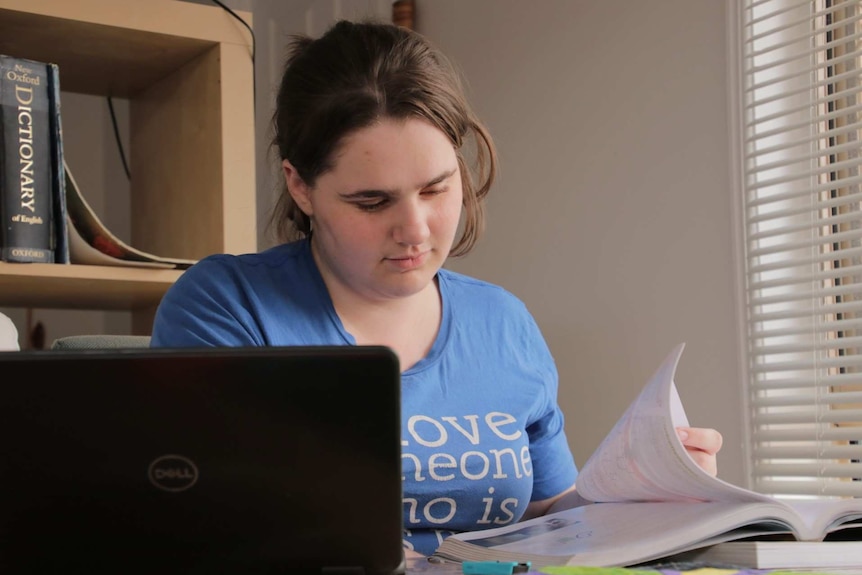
<point x="101" y="341"/>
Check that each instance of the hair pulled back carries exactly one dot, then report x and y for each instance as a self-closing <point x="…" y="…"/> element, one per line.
<point x="355" y="75"/>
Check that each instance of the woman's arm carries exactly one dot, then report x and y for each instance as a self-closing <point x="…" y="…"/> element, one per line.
<point x="565" y="500"/>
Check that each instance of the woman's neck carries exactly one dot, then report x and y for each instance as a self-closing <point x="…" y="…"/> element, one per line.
<point x="408" y="325"/>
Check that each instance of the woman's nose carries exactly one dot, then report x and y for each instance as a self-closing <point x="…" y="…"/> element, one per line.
<point x="412" y="225"/>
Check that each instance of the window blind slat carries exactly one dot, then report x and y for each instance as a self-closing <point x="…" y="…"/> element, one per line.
<point x="787" y="94"/>
<point x="798" y="365"/>
<point x="821" y="326"/>
<point x="811" y="241"/>
<point x="802" y="299"/>
<point x="813" y="207"/>
<point x="821" y="222"/>
<point x="818" y="469"/>
<point x="833" y="166"/>
<point x="777" y="12"/>
<point x="798" y="40"/>
<point x="807" y="278"/>
<point x="808" y="397"/>
<point x="795" y="264"/>
<point x="785" y="112"/>
<point x="820" y="452"/>
<point x="802" y="434"/>
<point x="822" y="487"/>
<point x="811" y="136"/>
<point x="827" y="310"/>
<point x="806" y="192"/>
<point x="803" y="295"/>
<point x="831" y="344"/>
<point x="830" y="416"/>
<point x="781" y="27"/>
<point x="800" y="160"/>
<point x="801" y="56"/>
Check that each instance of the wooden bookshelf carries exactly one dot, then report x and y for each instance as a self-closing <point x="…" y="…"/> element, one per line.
<point x="83" y="287"/>
<point x="187" y="72"/>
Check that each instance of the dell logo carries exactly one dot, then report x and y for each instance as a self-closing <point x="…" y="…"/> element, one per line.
<point x="173" y="473"/>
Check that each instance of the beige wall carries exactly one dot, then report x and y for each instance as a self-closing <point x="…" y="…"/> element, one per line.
<point x="612" y="216"/>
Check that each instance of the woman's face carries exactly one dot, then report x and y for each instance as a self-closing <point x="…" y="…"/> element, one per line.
<point x="385" y="217"/>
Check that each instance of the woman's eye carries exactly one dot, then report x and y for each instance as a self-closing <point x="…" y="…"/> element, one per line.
<point x="372" y="206"/>
<point x="433" y="192"/>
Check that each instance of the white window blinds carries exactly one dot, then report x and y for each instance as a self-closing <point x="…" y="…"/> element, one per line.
<point x="801" y="121"/>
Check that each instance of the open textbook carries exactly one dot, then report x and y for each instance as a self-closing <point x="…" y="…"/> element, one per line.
<point x="802" y="555"/>
<point x="653" y="501"/>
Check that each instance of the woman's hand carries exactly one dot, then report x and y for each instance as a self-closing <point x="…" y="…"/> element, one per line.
<point x="702" y="444"/>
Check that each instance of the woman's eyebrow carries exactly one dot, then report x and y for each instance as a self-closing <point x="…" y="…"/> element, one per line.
<point x="444" y="176"/>
<point x="374" y="193"/>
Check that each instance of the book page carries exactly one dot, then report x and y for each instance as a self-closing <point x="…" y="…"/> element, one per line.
<point x="82" y="252"/>
<point x="90" y="242"/>
<point x="607" y="534"/>
<point x="823" y="516"/>
<point x="784" y="555"/>
<point x="643" y="459"/>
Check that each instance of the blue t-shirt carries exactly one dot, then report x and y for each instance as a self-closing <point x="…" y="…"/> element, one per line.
<point x="482" y="434"/>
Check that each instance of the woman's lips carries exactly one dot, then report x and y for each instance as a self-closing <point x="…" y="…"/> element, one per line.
<point x="411" y="262"/>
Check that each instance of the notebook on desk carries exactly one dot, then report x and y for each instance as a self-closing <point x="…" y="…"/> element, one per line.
<point x="219" y="460"/>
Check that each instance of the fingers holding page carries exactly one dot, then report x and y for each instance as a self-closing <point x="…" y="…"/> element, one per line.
<point x="702" y="444"/>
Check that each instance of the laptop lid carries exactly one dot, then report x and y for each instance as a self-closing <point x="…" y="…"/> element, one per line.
<point x="201" y="461"/>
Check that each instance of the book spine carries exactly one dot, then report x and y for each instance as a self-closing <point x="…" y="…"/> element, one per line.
<point x="26" y="198"/>
<point x="61" y="222"/>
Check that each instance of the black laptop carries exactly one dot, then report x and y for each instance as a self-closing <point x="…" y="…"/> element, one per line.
<point x="218" y="460"/>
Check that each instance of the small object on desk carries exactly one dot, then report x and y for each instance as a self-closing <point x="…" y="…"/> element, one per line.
<point x="495" y="567"/>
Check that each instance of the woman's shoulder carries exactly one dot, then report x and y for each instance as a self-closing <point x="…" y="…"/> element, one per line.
<point x="228" y="273"/>
<point x="485" y="308"/>
<point x="463" y="286"/>
<point x="219" y="289"/>
<point x="272" y="258"/>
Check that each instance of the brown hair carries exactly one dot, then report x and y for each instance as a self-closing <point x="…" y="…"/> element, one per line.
<point x="355" y="74"/>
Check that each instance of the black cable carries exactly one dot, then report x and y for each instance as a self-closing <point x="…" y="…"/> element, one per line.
<point x="117" y="136"/>
<point x="253" y="86"/>
<point x="253" y="48"/>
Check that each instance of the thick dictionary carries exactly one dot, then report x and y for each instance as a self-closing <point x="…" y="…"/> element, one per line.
<point x="27" y="156"/>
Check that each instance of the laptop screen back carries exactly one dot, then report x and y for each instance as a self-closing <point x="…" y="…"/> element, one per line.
<point x="213" y="460"/>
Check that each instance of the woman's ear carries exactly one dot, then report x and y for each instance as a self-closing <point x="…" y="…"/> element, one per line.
<point x="297" y="188"/>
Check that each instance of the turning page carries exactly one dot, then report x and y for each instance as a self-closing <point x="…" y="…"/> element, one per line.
<point x="643" y="459"/>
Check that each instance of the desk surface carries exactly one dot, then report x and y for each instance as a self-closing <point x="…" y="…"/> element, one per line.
<point x="425" y="567"/>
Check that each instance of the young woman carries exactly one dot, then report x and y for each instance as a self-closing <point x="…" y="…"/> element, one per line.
<point x="386" y="168"/>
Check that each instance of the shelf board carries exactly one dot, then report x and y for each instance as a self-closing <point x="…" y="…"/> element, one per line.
<point x="83" y="287"/>
<point x="115" y="49"/>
